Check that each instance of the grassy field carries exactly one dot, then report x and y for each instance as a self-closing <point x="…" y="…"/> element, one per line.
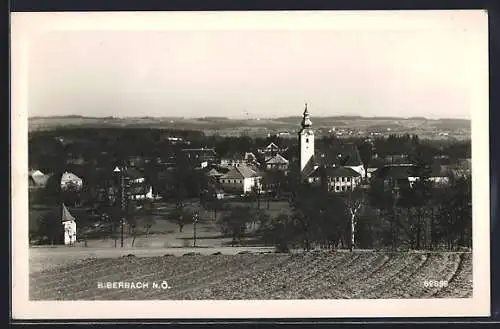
<point x="257" y="275"/>
<point x="164" y="232"/>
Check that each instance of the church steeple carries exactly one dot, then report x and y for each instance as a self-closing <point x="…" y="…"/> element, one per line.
<point x="306" y="119"/>
<point x="306" y="141"/>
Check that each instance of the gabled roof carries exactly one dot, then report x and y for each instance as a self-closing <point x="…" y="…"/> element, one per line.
<point x="37" y="178"/>
<point x="139" y="189"/>
<point x="66" y="215"/>
<point x="342" y="172"/>
<point x="133" y="173"/>
<point x="214" y="172"/>
<point x="36" y="173"/>
<point x="345" y="154"/>
<point x="277" y="159"/>
<point x="68" y="176"/>
<point x="271" y="146"/>
<point x="240" y="172"/>
<point x="335" y="172"/>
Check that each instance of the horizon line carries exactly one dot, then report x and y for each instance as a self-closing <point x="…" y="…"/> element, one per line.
<point x="242" y="118"/>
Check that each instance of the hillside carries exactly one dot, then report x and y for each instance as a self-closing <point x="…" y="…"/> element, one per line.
<point x="263" y="126"/>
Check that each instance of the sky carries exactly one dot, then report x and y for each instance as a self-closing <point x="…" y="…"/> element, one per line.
<point x="370" y="69"/>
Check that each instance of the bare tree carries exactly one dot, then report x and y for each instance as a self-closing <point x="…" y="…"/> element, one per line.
<point x="353" y="202"/>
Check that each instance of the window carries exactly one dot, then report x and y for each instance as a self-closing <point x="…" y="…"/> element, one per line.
<point x="336" y="188"/>
<point x="343" y="188"/>
<point x="337" y="179"/>
<point x="343" y="179"/>
<point x="348" y="179"/>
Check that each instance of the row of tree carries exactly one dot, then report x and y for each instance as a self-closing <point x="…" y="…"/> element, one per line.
<point x="423" y="217"/>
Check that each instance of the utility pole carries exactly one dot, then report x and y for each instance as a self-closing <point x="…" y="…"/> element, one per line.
<point x="195" y="220"/>
<point x="121" y="171"/>
<point x="123" y="204"/>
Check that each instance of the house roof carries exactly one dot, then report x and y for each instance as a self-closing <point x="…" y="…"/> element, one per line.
<point x="240" y="172"/>
<point x="68" y="176"/>
<point x="37" y="178"/>
<point x="277" y="159"/>
<point x="214" y="172"/>
<point x="394" y="171"/>
<point x="250" y="155"/>
<point x="345" y="154"/>
<point x="138" y="189"/>
<point x="403" y="171"/>
<point x="66" y="215"/>
<point x="335" y="172"/>
<point x="36" y="173"/>
<point x="133" y="173"/>
<point x="271" y="146"/>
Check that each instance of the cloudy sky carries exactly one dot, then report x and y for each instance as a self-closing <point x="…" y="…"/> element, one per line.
<point x="421" y="69"/>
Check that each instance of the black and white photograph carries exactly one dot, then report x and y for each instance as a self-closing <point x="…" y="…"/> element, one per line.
<point x="281" y="164"/>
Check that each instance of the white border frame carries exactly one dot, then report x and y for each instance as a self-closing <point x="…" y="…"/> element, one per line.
<point x="25" y="25"/>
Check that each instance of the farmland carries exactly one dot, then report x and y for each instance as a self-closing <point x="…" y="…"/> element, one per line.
<point x="259" y="275"/>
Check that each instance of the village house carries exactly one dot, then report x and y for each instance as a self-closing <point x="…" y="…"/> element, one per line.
<point x="277" y="162"/>
<point x="341" y="155"/>
<point x="251" y="159"/>
<point x="140" y="192"/>
<point x="200" y="157"/>
<point x="69" y="180"/>
<point x="399" y="176"/>
<point x="336" y="179"/>
<point x="232" y="160"/>
<point x="271" y="150"/>
<point x="241" y="179"/>
<point x="37" y="179"/>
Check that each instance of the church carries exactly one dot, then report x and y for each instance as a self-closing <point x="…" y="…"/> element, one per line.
<point x="337" y="167"/>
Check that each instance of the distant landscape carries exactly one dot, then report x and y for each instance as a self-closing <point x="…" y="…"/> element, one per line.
<point x="347" y="126"/>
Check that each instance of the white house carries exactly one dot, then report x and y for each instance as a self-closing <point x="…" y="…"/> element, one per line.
<point x="69" y="224"/>
<point x="277" y="162"/>
<point x="141" y="192"/>
<point x="69" y="179"/>
<point x="241" y="179"/>
<point x="338" y="179"/>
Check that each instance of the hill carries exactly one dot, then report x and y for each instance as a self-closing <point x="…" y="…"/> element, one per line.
<point x="262" y="126"/>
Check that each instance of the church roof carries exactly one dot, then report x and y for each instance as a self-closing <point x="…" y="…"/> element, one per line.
<point x="345" y="154"/>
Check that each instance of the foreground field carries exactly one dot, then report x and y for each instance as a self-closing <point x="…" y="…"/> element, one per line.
<point x="314" y="275"/>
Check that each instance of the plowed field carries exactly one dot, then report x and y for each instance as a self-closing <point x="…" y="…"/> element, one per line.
<point x="314" y="275"/>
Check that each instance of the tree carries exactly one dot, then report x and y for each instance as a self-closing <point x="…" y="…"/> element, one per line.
<point x="353" y="203"/>
<point x="256" y="193"/>
<point x="180" y="215"/>
<point x="235" y="221"/>
<point x="277" y="231"/>
<point x="71" y="194"/>
<point x="50" y="227"/>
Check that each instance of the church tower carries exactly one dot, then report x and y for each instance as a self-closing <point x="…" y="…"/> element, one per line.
<point x="306" y="140"/>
